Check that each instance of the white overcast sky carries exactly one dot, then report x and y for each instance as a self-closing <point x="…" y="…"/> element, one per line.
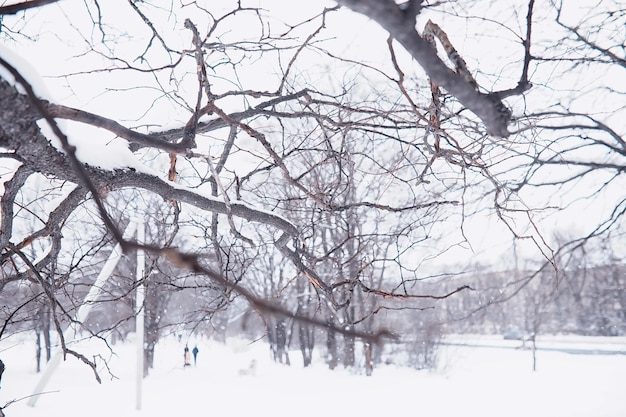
<point x="59" y="48"/>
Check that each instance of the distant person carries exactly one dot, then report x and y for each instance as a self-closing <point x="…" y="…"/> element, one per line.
<point x="187" y="356"/>
<point x="195" y="355"/>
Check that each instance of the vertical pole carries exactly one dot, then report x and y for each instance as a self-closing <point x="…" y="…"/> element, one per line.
<point x="139" y="322"/>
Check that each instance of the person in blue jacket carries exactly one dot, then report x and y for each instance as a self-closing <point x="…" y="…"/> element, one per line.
<point x="195" y="355"/>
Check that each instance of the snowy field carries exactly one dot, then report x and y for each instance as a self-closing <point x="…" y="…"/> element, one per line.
<point x="470" y="382"/>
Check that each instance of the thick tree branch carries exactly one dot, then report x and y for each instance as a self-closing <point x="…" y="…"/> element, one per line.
<point x="168" y="140"/>
<point x="411" y="9"/>
<point x="54" y="223"/>
<point x="169" y="191"/>
<point x="16" y="8"/>
<point x="11" y="188"/>
<point x="152" y="141"/>
<point x="75" y="164"/>
<point x="388" y="14"/>
<point x="40" y="156"/>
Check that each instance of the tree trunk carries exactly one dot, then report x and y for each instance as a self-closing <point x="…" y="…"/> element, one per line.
<point x="42" y="328"/>
<point x="38" y="354"/>
<point x="349" y="359"/>
<point x="148" y="358"/>
<point x="46" y="333"/>
<point x="278" y="341"/>
<point x="348" y="349"/>
<point x="151" y="333"/>
<point x="153" y="305"/>
<point x="306" y="332"/>
<point x="306" y="336"/>
<point x="331" y="346"/>
<point x="369" y="363"/>
<point x="534" y="352"/>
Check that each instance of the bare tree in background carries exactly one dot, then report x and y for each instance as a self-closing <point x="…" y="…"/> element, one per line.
<point x="359" y="173"/>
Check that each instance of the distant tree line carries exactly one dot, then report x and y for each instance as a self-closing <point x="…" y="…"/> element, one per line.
<point x="585" y="300"/>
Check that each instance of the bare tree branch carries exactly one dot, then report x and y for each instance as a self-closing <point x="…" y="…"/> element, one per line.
<point x="487" y="107"/>
<point x="18" y="7"/>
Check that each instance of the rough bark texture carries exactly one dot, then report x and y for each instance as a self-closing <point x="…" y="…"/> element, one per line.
<point x="401" y="26"/>
<point x="20" y="134"/>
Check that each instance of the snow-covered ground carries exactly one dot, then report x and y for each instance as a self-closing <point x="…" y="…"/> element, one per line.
<point x="470" y="382"/>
